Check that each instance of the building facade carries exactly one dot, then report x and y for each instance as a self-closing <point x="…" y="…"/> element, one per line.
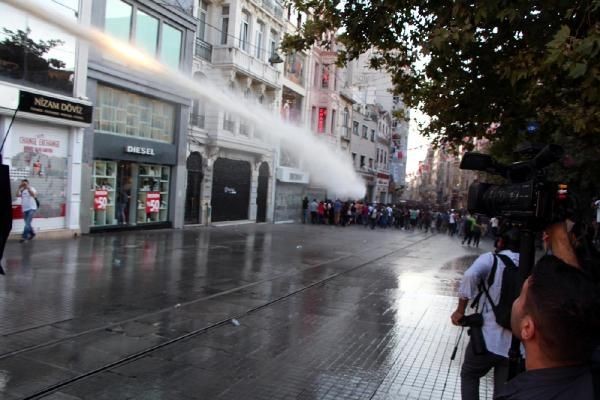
<point x="43" y="112"/>
<point x="134" y="160"/>
<point x="231" y="165"/>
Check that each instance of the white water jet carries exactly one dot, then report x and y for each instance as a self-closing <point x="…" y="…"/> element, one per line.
<point x="328" y="168"/>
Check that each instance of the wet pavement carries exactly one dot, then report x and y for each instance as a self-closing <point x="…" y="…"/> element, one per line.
<point x="247" y="312"/>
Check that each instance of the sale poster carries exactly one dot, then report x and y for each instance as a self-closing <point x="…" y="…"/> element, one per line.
<point x="152" y="202"/>
<point x="100" y="200"/>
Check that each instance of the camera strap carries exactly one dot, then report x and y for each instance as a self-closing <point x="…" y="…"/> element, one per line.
<point x="482" y="287"/>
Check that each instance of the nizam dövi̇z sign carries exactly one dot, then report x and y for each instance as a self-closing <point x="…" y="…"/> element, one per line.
<point x="54" y="107"/>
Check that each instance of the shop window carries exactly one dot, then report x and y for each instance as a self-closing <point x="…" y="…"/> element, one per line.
<point x="153" y="194"/>
<point x="125" y="113"/>
<point x="104" y="194"/>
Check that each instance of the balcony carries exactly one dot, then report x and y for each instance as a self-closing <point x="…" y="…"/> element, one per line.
<point x="203" y="50"/>
<point x="245" y="63"/>
<point x="197" y="120"/>
<point x="271" y="6"/>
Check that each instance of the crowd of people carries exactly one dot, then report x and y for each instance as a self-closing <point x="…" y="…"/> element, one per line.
<point x="452" y="222"/>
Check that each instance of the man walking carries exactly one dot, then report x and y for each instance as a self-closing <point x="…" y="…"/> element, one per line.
<point x="28" y="195"/>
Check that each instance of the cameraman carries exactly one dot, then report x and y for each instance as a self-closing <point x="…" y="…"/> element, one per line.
<point x="557" y="319"/>
<point x="497" y="339"/>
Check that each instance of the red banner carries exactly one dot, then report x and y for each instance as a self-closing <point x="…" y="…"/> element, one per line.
<point x="152" y="202"/>
<point x="322" y="120"/>
<point x="100" y="200"/>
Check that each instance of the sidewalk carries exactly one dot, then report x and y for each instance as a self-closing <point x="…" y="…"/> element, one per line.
<point x="323" y="313"/>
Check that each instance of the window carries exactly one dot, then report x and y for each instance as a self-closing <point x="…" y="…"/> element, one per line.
<point x="146" y="32"/>
<point x="370" y="163"/>
<point x="377" y="155"/>
<point x="225" y="25"/>
<point x="273" y="43"/>
<point x="198" y="115"/>
<point x="244" y="31"/>
<point x="372" y="135"/>
<point x="37" y="54"/>
<point x="202" y="20"/>
<point x="117" y="20"/>
<point x="313" y="118"/>
<point x="365" y="132"/>
<point x="362" y="161"/>
<point x="289" y="12"/>
<point x="355" y="127"/>
<point x="130" y="114"/>
<point x="299" y="21"/>
<point x="170" y="47"/>
<point x="325" y="77"/>
<point x="228" y="123"/>
<point x="346" y="118"/>
<point x="316" y="83"/>
<point x="333" y="122"/>
<point x="259" y="40"/>
<point x="354" y="159"/>
<point x="322" y="120"/>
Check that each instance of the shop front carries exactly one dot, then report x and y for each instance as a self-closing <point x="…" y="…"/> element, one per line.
<point x="130" y="183"/>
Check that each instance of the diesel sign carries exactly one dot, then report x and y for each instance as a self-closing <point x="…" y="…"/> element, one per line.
<point x="144" y="151"/>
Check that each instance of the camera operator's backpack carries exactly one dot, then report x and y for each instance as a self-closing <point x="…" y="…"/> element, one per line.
<point x="508" y="293"/>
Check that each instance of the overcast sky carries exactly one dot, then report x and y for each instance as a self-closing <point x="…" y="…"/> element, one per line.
<point x="415" y="140"/>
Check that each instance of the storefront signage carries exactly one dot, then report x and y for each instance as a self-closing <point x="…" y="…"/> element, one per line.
<point x="152" y="202"/>
<point x="100" y="200"/>
<point x="144" y="151"/>
<point x="54" y="107"/>
<point x="322" y="119"/>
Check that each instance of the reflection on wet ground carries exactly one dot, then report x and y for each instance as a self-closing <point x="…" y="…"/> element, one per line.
<point x="320" y="312"/>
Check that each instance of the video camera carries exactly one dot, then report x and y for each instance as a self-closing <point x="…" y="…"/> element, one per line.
<point x="527" y="197"/>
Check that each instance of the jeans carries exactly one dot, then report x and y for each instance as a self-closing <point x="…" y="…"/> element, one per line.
<point x="477" y="366"/>
<point x="28" y="232"/>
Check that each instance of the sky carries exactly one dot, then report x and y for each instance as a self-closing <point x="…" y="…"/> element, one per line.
<point x="416" y="142"/>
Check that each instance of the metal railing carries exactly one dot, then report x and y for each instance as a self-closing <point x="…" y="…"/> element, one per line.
<point x="203" y="50"/>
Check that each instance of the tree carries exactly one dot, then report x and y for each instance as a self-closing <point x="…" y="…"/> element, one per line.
<point x="481" y="69"/>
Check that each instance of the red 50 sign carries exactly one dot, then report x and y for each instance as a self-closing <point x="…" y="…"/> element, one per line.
<point x="100" y="200"/>
<point x="152" y="202"/>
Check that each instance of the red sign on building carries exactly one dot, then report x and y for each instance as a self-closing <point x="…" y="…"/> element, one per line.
<point x="100" y="200"/>
<point x="322" y="120"/>
<point x="152" y="202"/>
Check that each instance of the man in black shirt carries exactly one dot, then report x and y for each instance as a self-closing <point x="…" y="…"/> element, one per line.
<point x="557" y="319"/>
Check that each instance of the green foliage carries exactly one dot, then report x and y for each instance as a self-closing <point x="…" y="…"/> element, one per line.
<point x="468" y="64"/>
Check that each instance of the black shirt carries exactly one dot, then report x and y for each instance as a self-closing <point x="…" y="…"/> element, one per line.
<point x="565" y="383"/>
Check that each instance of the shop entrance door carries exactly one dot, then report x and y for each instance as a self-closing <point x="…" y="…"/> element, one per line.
<point x="231" y="190"/>
<point x="194" y="185"/>
<point x="261" y="192"/>
<point x="125" y="201"/>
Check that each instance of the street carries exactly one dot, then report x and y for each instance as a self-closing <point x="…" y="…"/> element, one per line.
<point x="255" y="311"/>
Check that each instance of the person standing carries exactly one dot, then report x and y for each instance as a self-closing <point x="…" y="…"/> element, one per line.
<point x="452" y="223"/>
<point x="304" y="209"/>
<point x="313" y="211"/>
<point x="497" y="338"/>
<point x="28" y="195"/>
